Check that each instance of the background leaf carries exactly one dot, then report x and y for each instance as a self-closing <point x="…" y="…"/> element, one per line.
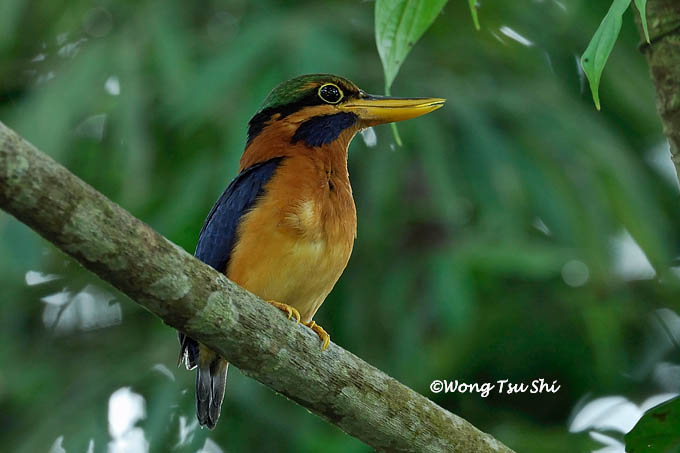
<point x="658" y="430"/>
<point x="398" y="26"/>
<point x="597" y="53"/>
<point x="473" y="13"/>
<point x="641" y="6"/>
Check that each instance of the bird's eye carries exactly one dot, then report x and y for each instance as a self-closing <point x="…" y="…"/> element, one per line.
<point x="330" y="93"/>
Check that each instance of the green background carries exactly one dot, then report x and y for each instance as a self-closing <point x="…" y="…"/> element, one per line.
<point x="453" y="275"/>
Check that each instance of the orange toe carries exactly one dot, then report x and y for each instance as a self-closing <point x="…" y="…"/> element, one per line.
<point x="292" y="311"/>
<point x="325" y="338"/>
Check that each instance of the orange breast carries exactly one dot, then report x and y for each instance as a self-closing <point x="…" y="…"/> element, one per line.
<point x="293" y="246"/>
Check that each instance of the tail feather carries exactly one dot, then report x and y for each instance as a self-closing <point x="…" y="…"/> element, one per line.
<point x="218" y="373"/>
<point x="211" y="382"/>
<point x="211" y="378"/>
<point x="203" y="396"/>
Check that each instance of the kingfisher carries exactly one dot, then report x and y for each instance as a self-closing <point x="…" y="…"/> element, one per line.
<point x="284" y="227"/>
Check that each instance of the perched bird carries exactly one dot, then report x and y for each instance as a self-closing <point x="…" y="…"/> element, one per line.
<point x="284" y="227"/>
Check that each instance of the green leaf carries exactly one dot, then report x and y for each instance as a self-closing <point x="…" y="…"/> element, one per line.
<point x="601" y="45"/>
<point x="641" y="6"/>
<point x="398" y="26"/>
<point x="473" y="12"/>
<point x="658" y="430"/>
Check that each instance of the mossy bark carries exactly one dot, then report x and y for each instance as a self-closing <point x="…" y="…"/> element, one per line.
<point x="192" y="297"/>
<point x="663" y="57"/>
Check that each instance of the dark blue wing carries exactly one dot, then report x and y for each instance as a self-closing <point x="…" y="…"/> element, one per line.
<point x="218" y="234"/>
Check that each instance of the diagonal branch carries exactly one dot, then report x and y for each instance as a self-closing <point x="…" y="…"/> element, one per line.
<point x="190" y="296"/>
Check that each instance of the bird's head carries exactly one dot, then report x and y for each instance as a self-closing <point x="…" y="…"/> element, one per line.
<point x="316" y="110"/>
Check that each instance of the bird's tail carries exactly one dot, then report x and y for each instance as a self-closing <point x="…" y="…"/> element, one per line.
<point x="211" y="378"/>
<point x="211" y="382"/>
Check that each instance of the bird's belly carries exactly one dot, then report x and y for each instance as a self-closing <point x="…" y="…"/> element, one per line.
<point x="276" y="263"/>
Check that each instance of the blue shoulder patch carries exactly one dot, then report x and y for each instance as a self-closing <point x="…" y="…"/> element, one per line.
<point x="218" y="234"/>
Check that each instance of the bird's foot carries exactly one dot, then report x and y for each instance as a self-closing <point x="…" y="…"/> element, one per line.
<point x="325" y="338"/>
<point x="292" y="311"/>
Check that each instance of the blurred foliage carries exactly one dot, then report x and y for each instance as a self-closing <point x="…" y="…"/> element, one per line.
<point x="486" y="247"/>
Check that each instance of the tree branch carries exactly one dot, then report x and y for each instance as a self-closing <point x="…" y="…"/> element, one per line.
<point x="663" y="57"/>
<point x="192" y="297"/>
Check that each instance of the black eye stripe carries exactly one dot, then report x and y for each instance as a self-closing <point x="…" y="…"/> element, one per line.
<point x="259" y="121"/>
<point x="330" y="93"/>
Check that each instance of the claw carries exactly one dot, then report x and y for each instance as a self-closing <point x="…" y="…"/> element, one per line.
<point x="292" y="311"/>
<point x="325" y="338"/>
